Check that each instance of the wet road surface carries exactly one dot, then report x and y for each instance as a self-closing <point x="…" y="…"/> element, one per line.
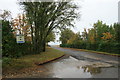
<point x="77" y="64"/>
<point x="73" y="68"/>
<point x="88" y="56"/>
<point x="70" y="67"/>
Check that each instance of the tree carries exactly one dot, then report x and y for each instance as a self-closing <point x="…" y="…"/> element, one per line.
<point x="75" y="39"/>
<point x="9" y="46"/>
<point x="4" y="15"/>
<point x="44" y="17"/>
<point x="91" y="35"/>
<point x="107" y="36"/>
<point x="20" y="25"/>
<point x="101" y="37"/>
<point x="8" y="39"/>
<point x="7" y="36"/>
<point x="117" y="32"/>
<point x="85" y="35"/>
<point x="100" y="28"/>
<point x="66" y="35"/>
<point x="50" y="37"/>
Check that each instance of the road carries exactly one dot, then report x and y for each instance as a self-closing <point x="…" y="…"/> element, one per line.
<point x="88" y="56"/>
<point x="107" y="65"/>
<point x="76" y="64"/>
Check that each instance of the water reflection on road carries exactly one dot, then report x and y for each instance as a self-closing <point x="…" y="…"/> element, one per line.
<point x="73" y="68"/>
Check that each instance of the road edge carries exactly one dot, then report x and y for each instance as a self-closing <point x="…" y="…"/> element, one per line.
<point x="97" y="52"/>
<point x="50" y="60"/>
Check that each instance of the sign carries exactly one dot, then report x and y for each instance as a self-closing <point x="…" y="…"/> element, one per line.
<point x="20" y="39"/>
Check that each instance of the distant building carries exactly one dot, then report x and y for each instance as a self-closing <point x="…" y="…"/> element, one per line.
<point x="119" y="12"/>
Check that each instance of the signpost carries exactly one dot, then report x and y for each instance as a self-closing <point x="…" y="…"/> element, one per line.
<point x="20" y="38"/>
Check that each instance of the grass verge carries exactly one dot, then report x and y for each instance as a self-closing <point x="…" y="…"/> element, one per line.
<point x="28" y="61"/>
<point x="105" y="53"/>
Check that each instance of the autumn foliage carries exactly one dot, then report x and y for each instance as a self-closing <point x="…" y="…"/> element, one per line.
<point x="20" y="25"/>
<point x="101" y="37"/>
<point x="106" y="36"/>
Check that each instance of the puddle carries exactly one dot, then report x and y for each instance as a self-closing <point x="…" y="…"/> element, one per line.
<point x="73" y="68"/>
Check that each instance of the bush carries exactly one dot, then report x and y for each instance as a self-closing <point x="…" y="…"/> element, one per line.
<point x="103" y="46"/>
<point x="6" y="61"/>
<point x="109" y="47"/>
<point x="92" y="46"/>
<point x="82" y="45"/>
<point x="114" y="48"/>
<point x="9" y="46"/>
<point x="15" y="50"/>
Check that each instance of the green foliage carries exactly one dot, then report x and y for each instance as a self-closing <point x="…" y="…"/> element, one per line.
<point x="66" y="35"/>
<point x="9" y="46"/>
<point x="6" y="61"/>
<point x="109" y="47"/>
<point x="100" y="28"/>
<point x="91" y="46"/>
<point x="8" y="40"/>
<point x="50" y="37"/>
<point x="44" y="17"/>
<point x="117" y="32"/>
<point x="99" y="38"/>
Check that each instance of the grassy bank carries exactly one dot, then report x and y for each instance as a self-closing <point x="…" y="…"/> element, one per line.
<point x="105" y="53"/>
<point x="28" y="61"/>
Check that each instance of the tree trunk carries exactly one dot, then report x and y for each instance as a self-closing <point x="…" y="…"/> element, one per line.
<point x="44" y="46"/>
<point x="32" y="38"/>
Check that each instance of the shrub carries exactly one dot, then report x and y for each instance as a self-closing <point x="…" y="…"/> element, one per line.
<point x="109" y="47"/>
<point x="9" y="46"/>
<point x="102" y="46"/>
<point x="92" y="46"/>
<point x="6" y="61"/>
<point x="115" y="48"/>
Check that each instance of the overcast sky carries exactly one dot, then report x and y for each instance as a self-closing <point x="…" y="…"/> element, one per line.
<point x="91" y="11"/>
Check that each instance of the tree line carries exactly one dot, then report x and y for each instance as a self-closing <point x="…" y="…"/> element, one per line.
<point x="38" y="24"/>
<point x="101" y="37"/>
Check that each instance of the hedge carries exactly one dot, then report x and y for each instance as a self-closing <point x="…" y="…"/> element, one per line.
<point x="104" y="46"/>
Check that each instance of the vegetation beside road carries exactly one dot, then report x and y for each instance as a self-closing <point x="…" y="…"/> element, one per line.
<point x="37" y="30"/>
<point x="98" y="52"/>
<point x="102" y="37"/>
<point x="12" y="65"/>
